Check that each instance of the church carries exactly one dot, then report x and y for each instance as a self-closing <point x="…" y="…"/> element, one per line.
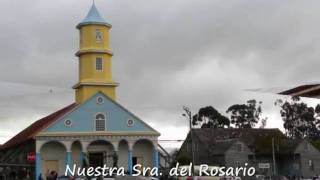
<point x="94" y="130"/>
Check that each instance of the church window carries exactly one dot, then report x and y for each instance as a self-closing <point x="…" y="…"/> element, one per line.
<point x="310" y="163"/>
<point x="100" y="100"/>
<point x="98" y="35"/>
<point x="99" y="64"/>
<point x="130" y="122"/>
<point x="68" y="122"/>
<point x="100" y="122"/>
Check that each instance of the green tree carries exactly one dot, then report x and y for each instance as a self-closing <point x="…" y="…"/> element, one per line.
<point x="299" y="119"/>
<point x="209" y="117"/>
<point x="246" y="115"/>
<point x="316" y="143"/>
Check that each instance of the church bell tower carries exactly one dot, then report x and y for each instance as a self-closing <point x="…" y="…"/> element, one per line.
<point x="94" y="58"/>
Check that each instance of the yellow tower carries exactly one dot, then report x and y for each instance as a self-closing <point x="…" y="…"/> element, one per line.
<point x="94" y="58"/>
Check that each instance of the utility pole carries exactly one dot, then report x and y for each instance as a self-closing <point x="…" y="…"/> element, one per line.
<point x="189" y="116"/>
<point x="274" y="158"/>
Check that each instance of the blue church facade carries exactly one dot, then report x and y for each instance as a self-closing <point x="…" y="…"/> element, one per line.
<point x="118" y="118"/>
<point x="75" y="138"/>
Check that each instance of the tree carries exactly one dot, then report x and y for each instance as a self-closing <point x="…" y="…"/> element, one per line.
<point x="246" y="115"/>
<point x="299" y="120"/>
<point x="316" y="143"/>
<point x="209" y="117"/>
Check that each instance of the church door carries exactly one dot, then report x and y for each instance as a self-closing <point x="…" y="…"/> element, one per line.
<point x="96" y="160"/>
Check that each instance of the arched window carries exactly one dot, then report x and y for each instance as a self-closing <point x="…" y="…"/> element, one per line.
<point x="100" y="122"/>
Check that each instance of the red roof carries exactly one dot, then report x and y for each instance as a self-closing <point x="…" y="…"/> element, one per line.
<point x="36" y="127"/>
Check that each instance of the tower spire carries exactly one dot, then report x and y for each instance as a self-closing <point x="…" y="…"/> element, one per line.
<point x="93" y="17"/>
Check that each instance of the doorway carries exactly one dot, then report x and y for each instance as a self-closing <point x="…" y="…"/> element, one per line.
<point x="137" y="160"/>
<point x="134" y="161"/>
<point x="96" y="160"/>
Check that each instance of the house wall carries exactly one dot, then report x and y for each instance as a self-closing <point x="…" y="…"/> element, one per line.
<point x="288" y="165"/>
<point x="183" y="151"/>
<point x="234" y="157"/>
<point x="263" y="159"/>
<point x="202" y="156"/>
<point x="217" y="160"/>
<point x="285" y="164"/>
<point x="308" y="152"/>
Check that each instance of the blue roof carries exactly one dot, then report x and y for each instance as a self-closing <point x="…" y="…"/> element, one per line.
<point x="93" y="17"/>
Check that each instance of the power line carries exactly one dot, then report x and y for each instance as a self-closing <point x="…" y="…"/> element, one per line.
<point x="171" y="140"/>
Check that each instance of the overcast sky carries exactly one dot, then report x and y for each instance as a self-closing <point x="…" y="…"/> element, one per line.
<point x="168" y="53"/>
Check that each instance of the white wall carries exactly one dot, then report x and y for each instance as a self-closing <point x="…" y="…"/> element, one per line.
<point x="123" y="155"/>
<point x="53" y="151"/>
<point x="76" y="151"/>
<point x="144" y="149"/>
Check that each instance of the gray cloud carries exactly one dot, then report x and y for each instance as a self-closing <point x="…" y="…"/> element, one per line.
<point x="168" y="53"/>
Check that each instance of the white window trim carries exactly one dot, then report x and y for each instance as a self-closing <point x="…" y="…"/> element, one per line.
<point x="94" y="122"/>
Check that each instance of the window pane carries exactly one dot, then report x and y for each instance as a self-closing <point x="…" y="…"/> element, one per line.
<point x="99" y="63"/>
<point x="100" y="122"/>
<point x="100" y="125"/>
<point x="100" y="117"/>
<point x="98" y="35"/>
